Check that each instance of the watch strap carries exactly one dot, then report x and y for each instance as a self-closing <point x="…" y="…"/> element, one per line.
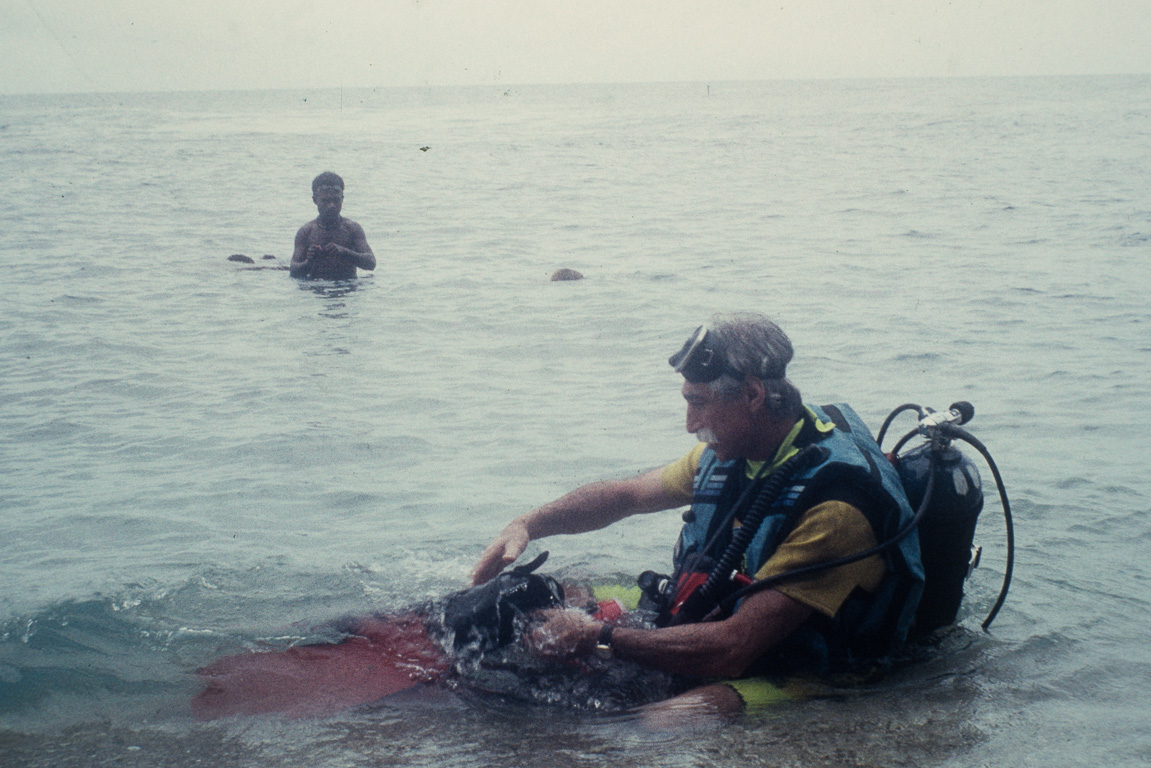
<point x="603" y="647"/>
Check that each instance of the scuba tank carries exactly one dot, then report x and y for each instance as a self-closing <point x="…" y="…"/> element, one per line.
<point x="944" y="486"/>
<point x="947" y="530"/>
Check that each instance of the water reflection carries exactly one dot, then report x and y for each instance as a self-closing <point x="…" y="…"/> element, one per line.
<point x="333" y="294"/>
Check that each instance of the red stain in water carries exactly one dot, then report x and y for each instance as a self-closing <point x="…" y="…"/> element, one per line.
<point x="382" y="657"/>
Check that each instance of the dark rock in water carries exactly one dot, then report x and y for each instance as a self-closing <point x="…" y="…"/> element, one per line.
<point x="268" y="257"/>
<point x="424" y="149"/>
<point x="566" y="274"/>
<point x="241" y="258"/>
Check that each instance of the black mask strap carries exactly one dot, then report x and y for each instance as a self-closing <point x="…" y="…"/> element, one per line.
<point x="701" y="360"/>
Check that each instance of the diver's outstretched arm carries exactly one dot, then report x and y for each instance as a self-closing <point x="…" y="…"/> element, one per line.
<point x="587" y="508"/>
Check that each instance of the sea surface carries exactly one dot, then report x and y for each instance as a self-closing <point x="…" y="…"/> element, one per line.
<point x="200" y="457"/>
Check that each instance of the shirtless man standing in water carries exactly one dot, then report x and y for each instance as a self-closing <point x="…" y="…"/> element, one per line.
<point x="330" y="247"/>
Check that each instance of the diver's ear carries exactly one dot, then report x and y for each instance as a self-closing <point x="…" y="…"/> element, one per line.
<point x="755" y="393"/>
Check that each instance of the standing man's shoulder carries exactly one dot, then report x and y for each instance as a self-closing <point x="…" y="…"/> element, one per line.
<point x="306" y="229"/>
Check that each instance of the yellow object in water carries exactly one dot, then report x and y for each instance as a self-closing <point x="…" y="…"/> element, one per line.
<point x="628" y="596"/>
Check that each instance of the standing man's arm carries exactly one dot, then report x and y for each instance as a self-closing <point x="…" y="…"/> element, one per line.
<point x="359" y="252"/>
<point x="302" y="255"/>
<point x="587" y="508"/>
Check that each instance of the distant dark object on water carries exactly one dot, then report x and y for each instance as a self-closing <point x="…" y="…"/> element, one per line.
<point x="564" y="273"/>
<point x="424" y="149"/>
<point x="242" y="259"/>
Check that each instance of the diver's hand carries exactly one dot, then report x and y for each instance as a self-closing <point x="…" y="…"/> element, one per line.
<point x="564" y="634"/>
<point x="501" y="553"/>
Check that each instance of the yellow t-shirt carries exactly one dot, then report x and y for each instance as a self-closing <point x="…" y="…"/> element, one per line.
<point x="825" y="532"/>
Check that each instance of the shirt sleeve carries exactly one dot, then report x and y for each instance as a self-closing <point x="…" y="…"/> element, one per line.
<point x="677" y="477"/>
<point x="825" y="532"/>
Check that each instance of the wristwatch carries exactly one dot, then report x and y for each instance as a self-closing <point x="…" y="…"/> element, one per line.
<point x="603" y="644"/>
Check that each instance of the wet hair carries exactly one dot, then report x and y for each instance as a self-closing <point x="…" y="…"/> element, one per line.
<point x="327" y="179"/>
<point x="757" y="347"/>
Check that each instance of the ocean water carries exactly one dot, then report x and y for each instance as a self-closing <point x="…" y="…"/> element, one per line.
<point x="198" y="457"/>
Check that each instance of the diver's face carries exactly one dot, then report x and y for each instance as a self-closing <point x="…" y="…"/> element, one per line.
<point x="329" y="202"/>
<point x="722" y="424"/>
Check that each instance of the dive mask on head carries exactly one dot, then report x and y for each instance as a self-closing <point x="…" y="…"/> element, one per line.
<point x="701" y="360"/>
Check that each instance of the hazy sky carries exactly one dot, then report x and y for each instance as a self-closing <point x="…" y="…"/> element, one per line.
<point x="86" y="45"/>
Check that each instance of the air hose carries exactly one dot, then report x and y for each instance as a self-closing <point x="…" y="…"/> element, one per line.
<point x="704" y="597"/>
<point x="970" y="439"/>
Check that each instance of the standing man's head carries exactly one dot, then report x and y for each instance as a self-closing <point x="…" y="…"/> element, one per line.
<point x="735" y="383"/>
<point x="328" y="195"/>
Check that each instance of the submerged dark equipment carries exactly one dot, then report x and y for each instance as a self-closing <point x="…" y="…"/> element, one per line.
<point x="492" y="615"/>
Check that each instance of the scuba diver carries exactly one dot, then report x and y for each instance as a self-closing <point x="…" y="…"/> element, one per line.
<point x="800" y="554"/>
<point x="774" y="486"/>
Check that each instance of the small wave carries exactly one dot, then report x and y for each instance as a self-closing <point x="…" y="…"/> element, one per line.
<point x="917" y="358"/>
<point x="80" y="299"/>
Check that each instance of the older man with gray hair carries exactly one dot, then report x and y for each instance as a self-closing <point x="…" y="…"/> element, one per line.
<point x="778" y="491"/>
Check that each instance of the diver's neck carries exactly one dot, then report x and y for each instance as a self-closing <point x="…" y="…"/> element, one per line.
<point x="769" y="437"/>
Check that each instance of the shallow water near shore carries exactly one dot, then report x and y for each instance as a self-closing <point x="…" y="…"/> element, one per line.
<point x="201" y="458"/>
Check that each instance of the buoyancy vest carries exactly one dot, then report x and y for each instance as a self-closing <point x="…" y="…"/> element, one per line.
<point x="867" y="626"/>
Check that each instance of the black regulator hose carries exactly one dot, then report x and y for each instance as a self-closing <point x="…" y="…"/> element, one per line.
<point x="891" y="417"/>
<point x="970" y="439"/>
<point x="741" y="539"/>
<point x="903" y="441"/>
